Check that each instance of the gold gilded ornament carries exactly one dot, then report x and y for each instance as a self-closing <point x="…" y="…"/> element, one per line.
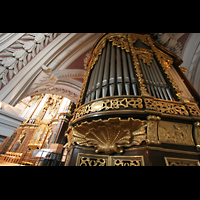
<point x="177" y="133"/>
<point x="110" y="135"/>
<point x="97" y="106"/>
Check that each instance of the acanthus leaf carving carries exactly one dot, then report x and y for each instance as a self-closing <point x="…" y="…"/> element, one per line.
<point x="19" y="53"/>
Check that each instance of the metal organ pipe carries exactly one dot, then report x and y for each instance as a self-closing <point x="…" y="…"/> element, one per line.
<point x="126" y="76"/>
<point x="159" y="82"/>
<point x="153" y="79"/>
<point x="95" y="78"/>
<point x="148" y="80"/>
<point x="133" y="80"/>
<point x="88" y="95"/>
<point x="145" y="78"/>
<point x="154" y="89"/>
<point x="119" y="72"/>
<point x="112" y="72"/>
<point x="163" y="80"/>
<point x="106" y="70"/>
<point x="98" y="85"/>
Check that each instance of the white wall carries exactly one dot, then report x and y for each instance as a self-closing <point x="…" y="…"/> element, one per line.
<point x="9" y="119"/>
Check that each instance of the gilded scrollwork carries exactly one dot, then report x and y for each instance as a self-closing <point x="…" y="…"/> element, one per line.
<point x="166" y="107"/>
<point x="83" y="88"/>
<point x="194" y="111"/>
<point x="107" y="104"/>
<point x="181" y="162"/>
<point x="103" y="160"/>
<point x="145" y="55"/>
<point x="146" y="39"/>
<point x="140" y="102"/>
<point x="92" y="162"/>
<point x="110" y="135"/>
<point x="127" y="161"/>
<point x="117" y="39"/>
<point x="135" y="52"/>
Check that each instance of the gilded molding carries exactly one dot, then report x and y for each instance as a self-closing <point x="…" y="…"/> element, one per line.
<point x="145" y="55"/>
<point x="110" y="135"/>
<point x="132" y="38"/>
<point x="137" y="102"/>
<point x="119" y="40"/>
<point x="107" y="104"/>
<point x="152" y="128"/>
<point x="197" y="133"/>
<point x="83" y="87"/>
<point x="146" y="39"/>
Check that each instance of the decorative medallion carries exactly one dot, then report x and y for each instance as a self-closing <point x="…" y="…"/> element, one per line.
<point x="97" y="106"/>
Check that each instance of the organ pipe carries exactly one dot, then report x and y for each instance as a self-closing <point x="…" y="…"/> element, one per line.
<point x="98" y="85"/>
<point x="114" y="74"/>
<point x="133" y="80"/>
<point x="119" y="72"/>
<point x="126" y="76"/>
<point x="105" y="76"/>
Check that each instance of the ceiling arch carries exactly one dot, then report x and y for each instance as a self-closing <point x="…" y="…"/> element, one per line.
<point x="191" y="59"/>
<point x="58" y="55"/>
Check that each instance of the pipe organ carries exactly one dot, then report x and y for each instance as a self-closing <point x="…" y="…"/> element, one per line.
<point x="136" y="107"/>
<point x="113" y="74"/>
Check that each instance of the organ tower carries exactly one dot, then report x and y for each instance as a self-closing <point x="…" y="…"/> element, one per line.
<point x="136" y="107"/>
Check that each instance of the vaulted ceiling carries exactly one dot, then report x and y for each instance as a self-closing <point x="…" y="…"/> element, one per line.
<point x="34" y="63"/>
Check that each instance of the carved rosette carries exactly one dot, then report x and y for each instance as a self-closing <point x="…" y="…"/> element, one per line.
<point x="110" y="135"/>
